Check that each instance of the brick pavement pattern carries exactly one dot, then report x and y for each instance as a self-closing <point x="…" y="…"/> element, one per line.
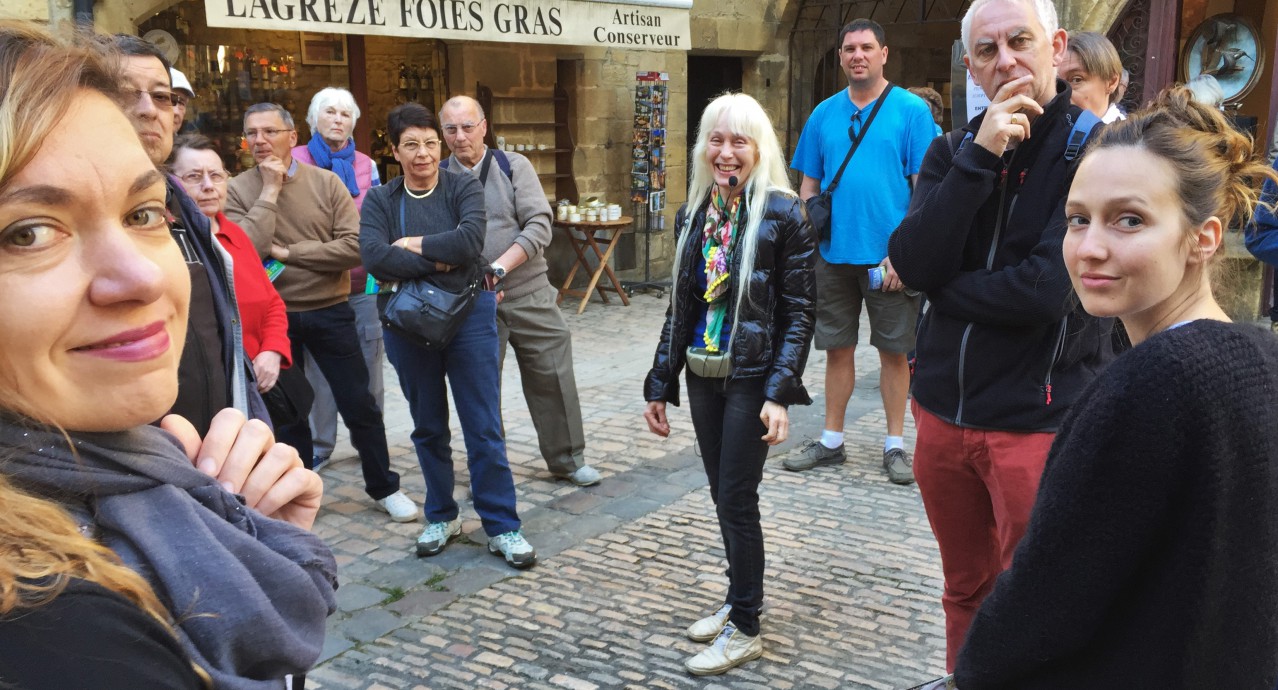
<point x="852" y="584"/>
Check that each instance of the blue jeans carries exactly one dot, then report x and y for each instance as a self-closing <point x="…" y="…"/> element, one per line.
<point x="725" y="416"/>
<point x="328" y="334"/>
<point x="474" y="375"/>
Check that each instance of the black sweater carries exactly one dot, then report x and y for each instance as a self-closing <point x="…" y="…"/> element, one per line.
<point x="1003" y="344"/>
<point x="89" y="637"/>
<point x="1151" y="557"/>
<point x="451" y="222"/>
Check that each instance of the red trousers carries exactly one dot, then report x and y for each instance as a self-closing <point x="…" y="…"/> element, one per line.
<point x="978" y="488"/>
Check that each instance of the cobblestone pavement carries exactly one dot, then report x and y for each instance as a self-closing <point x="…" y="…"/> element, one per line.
<point x="852" y="583"/>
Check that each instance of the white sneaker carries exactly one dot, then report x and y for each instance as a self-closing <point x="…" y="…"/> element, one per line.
<point x="436" y="536"/>
<point x="729" y="650"/>
<point x="583" y="476"/>
<point x="400" y="507"/>
<point x="707" y="628"/>
<point x="516" y="550"/>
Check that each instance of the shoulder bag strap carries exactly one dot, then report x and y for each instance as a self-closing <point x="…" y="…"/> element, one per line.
<point x="483" y="169"/>
<point x="859" y="136"/>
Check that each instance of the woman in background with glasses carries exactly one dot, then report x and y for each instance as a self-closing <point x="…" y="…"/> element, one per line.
<point x="429" y="225"/>
<point x="196" y="163"/>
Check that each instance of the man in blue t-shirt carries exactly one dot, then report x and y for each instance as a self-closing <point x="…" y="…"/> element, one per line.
<point x="870" y="200"/>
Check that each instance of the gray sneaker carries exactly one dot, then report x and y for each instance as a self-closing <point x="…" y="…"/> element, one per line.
<point x="899" y="466"/>
<point x="814" y="454"/>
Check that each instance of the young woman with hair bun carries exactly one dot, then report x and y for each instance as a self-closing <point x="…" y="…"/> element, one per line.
<point x="1151" y="558"/>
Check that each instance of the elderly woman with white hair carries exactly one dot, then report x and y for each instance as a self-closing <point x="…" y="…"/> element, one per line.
<point x="332" y="117"/>
<point x="742" y="309"/>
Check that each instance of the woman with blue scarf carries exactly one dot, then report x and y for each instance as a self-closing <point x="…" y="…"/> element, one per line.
<point x="741" y="316"/>
<point x="332" y="117"/>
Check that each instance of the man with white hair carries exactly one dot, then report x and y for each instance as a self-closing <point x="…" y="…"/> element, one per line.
<point x="331" y="118"/>
<point x="1003" y="350"/>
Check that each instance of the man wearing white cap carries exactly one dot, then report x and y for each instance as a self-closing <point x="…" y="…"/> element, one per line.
<point x="182" y="92"/>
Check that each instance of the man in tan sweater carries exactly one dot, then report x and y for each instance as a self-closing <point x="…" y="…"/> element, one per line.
<point x="304" y="217"/>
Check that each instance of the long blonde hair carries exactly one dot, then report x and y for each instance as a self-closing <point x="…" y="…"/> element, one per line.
<point x="41" y="547"/>
<point x="741" y="115"/>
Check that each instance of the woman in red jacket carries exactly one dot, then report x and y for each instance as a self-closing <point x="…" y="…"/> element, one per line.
<point x="196" y="163"/>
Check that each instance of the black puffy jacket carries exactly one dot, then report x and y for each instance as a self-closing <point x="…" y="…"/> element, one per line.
<point x="775" y="330"/>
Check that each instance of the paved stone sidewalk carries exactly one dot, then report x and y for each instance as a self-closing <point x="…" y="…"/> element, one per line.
<point x="852" y="583"/>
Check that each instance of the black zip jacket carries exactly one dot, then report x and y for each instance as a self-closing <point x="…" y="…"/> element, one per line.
<point x="1004" y="344"/>
<point x="775" y="331"/>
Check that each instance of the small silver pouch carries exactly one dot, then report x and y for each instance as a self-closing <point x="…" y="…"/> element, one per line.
<point x="709" y="365"/>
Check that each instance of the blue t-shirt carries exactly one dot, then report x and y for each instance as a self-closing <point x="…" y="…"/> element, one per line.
<point x="874" y="193"/>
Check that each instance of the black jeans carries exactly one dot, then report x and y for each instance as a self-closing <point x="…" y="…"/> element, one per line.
<point x="329" y="335"/>
<point x="725" y="415"/>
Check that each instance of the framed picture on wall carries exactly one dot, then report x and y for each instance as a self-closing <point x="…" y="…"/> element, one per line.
<point x="323" y="49"/>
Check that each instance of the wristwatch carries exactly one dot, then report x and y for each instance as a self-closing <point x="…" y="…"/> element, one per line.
<point x="497" y="270"/>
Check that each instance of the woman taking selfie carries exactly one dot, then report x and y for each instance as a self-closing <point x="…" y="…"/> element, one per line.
<point x="1149" y="560"/>
<point x="121" y="563"/>
<point x="740" y="318"/>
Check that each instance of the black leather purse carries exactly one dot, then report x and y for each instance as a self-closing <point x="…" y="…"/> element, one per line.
<point x="427" y="315"/>
<point x="423" y="312"/>
<point x="289" y="400"/>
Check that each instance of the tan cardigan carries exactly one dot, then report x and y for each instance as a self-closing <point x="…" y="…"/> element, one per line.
<point x="315" y="218"/>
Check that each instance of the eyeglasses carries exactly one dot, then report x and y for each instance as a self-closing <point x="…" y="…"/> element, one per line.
<point x="179" y="99"/>
<point x="197" y="176"/>
<point x="269" y="133"/>
<point x="161" y="99"/>
<point x="466" y="127"/>
<point x="411" y="147"/>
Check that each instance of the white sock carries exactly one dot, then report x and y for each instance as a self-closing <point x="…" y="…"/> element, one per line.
<point x="894" y="442"/>
<point x="831" y="439"/>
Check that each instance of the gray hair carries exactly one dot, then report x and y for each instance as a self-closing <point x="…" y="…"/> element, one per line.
<point x="1043" y="9"/>
<point x="460" y="100"/>
<point x="338" y="98"/>
<point x="1206" y="90"/>
<point x="285" y="115"/>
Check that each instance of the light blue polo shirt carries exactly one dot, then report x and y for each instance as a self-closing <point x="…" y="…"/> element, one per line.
<point x="874" y="192"/>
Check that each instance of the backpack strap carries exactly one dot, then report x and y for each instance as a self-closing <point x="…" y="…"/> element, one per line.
<point x="503" y="162"/>
<point x="1084" y="122"/>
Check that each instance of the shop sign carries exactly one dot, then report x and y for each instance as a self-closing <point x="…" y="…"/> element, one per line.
<point x="656" y="25"/>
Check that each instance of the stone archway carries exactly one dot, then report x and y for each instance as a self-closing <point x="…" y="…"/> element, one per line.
<point x="814" y="64"/>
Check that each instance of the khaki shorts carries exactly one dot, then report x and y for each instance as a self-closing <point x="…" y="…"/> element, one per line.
<point x="840" y="291"/>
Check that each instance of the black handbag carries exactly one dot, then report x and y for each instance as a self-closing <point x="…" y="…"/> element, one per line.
<point x="423" y="312"/>
<point x="820" y="207"/>
<point x="427" y="315"/>
<point x="289" y="400"/>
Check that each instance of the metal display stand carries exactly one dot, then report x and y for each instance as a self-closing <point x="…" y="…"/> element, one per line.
<point x="648" y="169"/>
<point x="647" y="223"/>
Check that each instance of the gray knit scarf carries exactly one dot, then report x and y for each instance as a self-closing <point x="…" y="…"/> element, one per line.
<point x="249" y="594"/>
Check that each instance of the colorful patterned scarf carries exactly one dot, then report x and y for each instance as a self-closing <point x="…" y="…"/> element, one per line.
<point x="718" y="242"/>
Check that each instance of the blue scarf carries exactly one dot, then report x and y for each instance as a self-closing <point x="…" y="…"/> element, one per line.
<point x="341" y="162"/>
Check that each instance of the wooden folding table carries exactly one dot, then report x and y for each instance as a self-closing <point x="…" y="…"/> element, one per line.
<point x="587" y="234"/>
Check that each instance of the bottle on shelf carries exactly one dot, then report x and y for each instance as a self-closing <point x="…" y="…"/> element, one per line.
<point x="403" y="77"/>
